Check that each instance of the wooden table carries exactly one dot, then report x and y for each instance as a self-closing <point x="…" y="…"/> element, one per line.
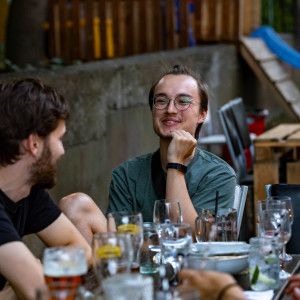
<point x="270" y="149"/>
<point x="276" y="152"/>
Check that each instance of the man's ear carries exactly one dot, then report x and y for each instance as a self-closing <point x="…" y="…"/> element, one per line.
<point x="33" y="144"/>
<point x="202" y="117"/>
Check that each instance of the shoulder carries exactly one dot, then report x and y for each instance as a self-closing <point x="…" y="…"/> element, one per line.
<point x="211" y="162"/>
<point x="135" y="163"/>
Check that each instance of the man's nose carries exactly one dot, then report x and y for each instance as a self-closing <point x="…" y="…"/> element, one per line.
<point x="171" y="106"/>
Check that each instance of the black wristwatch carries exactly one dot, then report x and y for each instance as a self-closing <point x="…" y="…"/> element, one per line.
<point x="179" y="167"/>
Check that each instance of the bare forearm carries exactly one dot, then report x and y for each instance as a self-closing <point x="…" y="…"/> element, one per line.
<point x="176" y="189"/>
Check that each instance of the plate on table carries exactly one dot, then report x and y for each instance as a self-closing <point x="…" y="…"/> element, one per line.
<point x="221" y="248"/>
<point x="228" y="264"/>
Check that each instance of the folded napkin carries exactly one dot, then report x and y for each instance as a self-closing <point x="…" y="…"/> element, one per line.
<point x="259" y="295"/>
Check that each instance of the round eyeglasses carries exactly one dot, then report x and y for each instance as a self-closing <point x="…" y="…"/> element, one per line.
<point x="180" y="102"/>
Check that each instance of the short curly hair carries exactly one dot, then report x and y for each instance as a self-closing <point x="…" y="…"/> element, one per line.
<point x="27" y="106"/>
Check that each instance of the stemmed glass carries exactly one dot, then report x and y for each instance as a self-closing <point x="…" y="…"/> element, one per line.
<point x="176" y="239"/>
<point x="276" y="225"/>
<point x="128" y="223"/>
<point x="167" y="211"/>
<point x="288" y="206"/>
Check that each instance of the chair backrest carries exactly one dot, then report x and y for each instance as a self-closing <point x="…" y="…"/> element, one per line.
<point x="233" y="140"/>
<point x="293" y="191"/>
<point x="240" y="120"/>
<point x="240" y="197"/>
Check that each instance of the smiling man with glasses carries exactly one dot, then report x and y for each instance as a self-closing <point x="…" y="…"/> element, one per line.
<point x="177" y="170"/>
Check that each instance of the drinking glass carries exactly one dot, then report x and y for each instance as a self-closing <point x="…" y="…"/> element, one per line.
<point x="150" y="250"/>
<point x="129" y="223"/>
<point x="64" y="264"/>
<point x="225" y="221"/>
<point x="266" y="204"/>
<point x="176" y="239"/>
<point x="263" y="264"/>
<point x="112" y="254"/>
<point x="276" y="225"/>
<point x="288" y="206"/>
<point x="167" y="211"/>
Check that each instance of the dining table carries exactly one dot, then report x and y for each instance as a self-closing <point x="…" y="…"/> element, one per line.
<point x="277" y="158"/>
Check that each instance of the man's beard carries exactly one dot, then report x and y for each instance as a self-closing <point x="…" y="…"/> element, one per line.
<point x="43" y="171"/>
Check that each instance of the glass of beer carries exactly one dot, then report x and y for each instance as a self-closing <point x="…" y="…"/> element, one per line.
<point x="64" y="264"/>
<point x="131" y="223"/>
<point x="112" y="254"/>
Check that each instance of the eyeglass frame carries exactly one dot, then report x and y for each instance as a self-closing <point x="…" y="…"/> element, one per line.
<point x="174" y="99"/>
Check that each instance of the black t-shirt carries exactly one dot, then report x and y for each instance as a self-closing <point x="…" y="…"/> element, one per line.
<point x="29" y="215"/>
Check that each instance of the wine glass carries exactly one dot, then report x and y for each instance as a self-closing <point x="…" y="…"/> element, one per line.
<point x="288" y="206"/>
<point x="276" y="225"/>
<point x="176" y="239"/>
<point x="263" y="205"/>
<point x="112" y="254"/>
<point x="129" y="223"/>
<point x="167" y="211"/>
<point x="64" y="264"/>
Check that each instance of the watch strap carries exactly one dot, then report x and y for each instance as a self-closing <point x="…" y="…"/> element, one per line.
<point x="180" y="167"/>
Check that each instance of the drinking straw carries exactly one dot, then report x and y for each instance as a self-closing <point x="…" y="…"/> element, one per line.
<point x="216" y="205"/>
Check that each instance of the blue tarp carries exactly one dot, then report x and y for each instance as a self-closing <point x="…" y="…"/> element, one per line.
<point x="278" y="45"/>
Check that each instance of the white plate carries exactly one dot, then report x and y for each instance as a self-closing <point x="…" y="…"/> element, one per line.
<point x="227" y="264"/>
<point x="221" y="248"/>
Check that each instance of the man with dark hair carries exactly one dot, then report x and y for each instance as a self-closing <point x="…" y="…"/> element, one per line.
<point x="32" y="127"/>
<point x="177" y="170"/>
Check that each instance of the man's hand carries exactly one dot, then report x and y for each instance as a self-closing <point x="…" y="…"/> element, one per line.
<point x="211" y="283"/>
<point x="182" y="146"/>
<point x="294" y="287"/>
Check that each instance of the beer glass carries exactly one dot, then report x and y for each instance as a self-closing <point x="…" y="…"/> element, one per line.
<point x="112" y="254"/>
<point x="128" y="223"/>
<point x="64" y="264"/>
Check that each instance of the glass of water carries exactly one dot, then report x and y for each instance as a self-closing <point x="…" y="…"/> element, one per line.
<point x="176" y="239"/>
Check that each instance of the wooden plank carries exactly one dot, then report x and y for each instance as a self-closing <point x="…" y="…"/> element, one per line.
<point x="129" y="49"/>
<point x="274" y="70"/>
<point x="183" y="19"/>
<point x="51" y="45"/>
<point x="237" y="20"/>
<point x="143" y="26"/>
<point x="262" y="76"/>
<point x="197" y="23"/>
<point x="64" y="40"/>
<point x="211" y="31"/>
<point x="258" y="49"/>
<point x="278" y="133"/>
<point x="289" y="91"/>
<point x="89" y="29"/>
<point x="264" y="173"/>
<point x="115" y="24"/>
<point x="157" y="34"/>
<point x="76" y="53"/>
<point x="169" y="25"/>
<point x="103" y="31"/>
<point x="293" y="172"/>
<point x="251" y="16"/>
